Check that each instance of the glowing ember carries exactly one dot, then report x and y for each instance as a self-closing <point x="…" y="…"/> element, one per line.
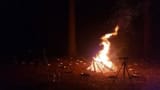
<point x="101" y="62"/>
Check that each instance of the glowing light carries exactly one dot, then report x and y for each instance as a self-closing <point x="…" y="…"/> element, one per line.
<point x="101" y="62"/>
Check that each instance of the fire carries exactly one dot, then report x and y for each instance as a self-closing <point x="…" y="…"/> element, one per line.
<point x="102" y="63"/>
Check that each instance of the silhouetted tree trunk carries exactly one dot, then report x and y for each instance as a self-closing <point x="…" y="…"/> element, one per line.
<point x="72" y="27"/>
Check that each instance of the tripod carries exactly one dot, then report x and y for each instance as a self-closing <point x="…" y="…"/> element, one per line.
<point x="124" y="67"/>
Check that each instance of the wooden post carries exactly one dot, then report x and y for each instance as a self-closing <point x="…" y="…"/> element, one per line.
<point x="44" y="56"/>
<point x="147" y="32"/>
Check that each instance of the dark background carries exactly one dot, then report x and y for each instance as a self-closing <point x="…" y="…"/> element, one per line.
<point x="27" y="27"/>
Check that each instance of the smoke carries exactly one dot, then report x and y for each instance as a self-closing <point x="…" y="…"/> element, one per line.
<point x="125" y="12"/>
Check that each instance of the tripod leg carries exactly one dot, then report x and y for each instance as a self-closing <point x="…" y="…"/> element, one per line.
<point x="128" y="72"/>
<point x="124" y="71"/>
<point x="119" y="71"/>
<point x="130" y="79"/>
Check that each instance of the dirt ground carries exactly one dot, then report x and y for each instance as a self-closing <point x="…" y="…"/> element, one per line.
<point x="71" y="74"/>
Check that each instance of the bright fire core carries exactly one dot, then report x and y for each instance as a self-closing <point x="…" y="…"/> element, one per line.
<point x="101" y="62"/>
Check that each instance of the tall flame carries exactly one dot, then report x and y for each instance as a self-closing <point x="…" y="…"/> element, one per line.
<point x="101" y="62"/>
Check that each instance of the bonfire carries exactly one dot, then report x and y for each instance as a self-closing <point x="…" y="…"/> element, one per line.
<point x="101" y="62"/>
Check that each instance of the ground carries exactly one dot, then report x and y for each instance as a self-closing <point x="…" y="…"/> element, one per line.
<point x="71" y="74"/>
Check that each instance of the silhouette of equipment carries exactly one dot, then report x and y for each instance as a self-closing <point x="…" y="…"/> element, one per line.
<point x="124" y="68"/>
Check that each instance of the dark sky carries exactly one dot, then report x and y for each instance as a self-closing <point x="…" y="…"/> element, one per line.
<point x="37" y="24"/>
<point x="33" y="24"/>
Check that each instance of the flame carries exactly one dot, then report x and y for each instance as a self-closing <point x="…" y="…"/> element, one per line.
<point x="102" y="63"/>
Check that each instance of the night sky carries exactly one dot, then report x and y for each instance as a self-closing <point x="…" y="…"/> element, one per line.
<point x="31" y="25"/>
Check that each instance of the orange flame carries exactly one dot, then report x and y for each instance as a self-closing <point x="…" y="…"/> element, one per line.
<point x="102" y="61"/>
